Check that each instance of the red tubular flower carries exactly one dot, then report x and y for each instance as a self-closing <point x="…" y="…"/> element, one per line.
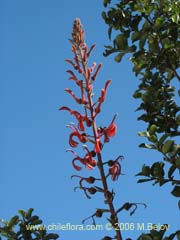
<point x="84" y="53"/>
<point x="90" y="50"/>
<point x="90" y="163"/>
<point x="115" y="170"/>
<point x="110" y="131"/>
<point x="72" y="63"/>
<point x="89" y="180"/>
<point x="76" y="59"/>
<point x="74" y="78"/>
<point x="75" y="66"/>
<point x="80" y="118"/>
<point x="91" y="69"/>
<point x="81" y="100"/>
<point x="102" y="97"/>
<point x="81" y="160"/>
<point x="78" y="100"/>
<point x="87" y="161"/>
<point x="82" y="137"/>
<point x="96" y="73"/>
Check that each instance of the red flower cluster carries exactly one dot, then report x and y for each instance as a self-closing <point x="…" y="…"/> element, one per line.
<point x="79" y="117"/>
<point x="85" y="130"/>
<point x="87" y="160"/>
<point x="79" y="134"/>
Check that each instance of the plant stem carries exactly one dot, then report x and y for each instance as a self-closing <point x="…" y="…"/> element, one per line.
<point x="100" y="162"/>
<point x="108" y="199"/>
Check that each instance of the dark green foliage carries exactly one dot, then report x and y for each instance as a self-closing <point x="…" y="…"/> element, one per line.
<point x="159" y="235"/>
<point x="25" y="226"/>
<point x="149" y="31"/>
<point x="176" y="191"/>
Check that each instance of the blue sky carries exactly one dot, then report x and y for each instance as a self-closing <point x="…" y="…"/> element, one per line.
<point x="35" y="169"/>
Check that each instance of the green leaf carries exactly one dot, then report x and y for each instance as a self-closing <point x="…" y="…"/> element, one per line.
<point x="144" y="180"/>
<point x="135" y="36"/>
<point x="121" y="41"/>
<point x="22" y="213"/>
<point x="106" y="2"/>
<point x="175" y="18"/>
<point x="179" y="93"/>
<point x="177" y="162"/>
<point x="168" y="45"/>
<point x="13" y="221"/>
<point x="52" y="236"/>
<point x="171" y="237"/>
<point x="137" y="94"/>
<point x="109" y="32"/>
<point x="163" y="138"/>
<point x="176" y="191"/>
<point x="179" y="204"/>
<point x="162" y="232"/>
<point x="178" y="119"/>
<point x="167" y="146"/>
<point x="146" y="170"/>
<point x="157" y="169"/>
<point x="153" y="138"/>
<point x="159" y="21"/>
<point x="142" y="134"/>
<point x="170" y="75"/>
<point x="149" y="146"/>
<point x="29" y="213"/>
<point x="143" y="39"/>
<point x="171" y="171"/>
<point x="152" y="129"/>
<point x="118" y="57"/>
<point x="36" y="222"/>
<point x="178" y="235"/>
<point x="145" y="237"/>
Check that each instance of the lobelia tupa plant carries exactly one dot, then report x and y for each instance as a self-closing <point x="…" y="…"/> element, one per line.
<point x="87" y="132"/>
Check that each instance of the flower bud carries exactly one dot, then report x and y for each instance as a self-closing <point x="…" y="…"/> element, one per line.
<point x="99" y="213"/>
<point x="83" y="138"/>
<point x="110" y="163"/>
<point x="92" y="190"/>
<point x="93" y="153"/>
<point x="127" y="206"/>
<point x="90" y="179"/>
<point x="89" y="123"/>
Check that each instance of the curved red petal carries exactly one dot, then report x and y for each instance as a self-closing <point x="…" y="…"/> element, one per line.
<point x="78" y="168"/>
<point x="65" y="108"/>
<point x="111" y="130"/>
<point x="72" y="142"/>
<point x="115" y="171"/>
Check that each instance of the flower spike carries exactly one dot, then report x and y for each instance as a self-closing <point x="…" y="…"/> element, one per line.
<point x="86" y="130"/>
